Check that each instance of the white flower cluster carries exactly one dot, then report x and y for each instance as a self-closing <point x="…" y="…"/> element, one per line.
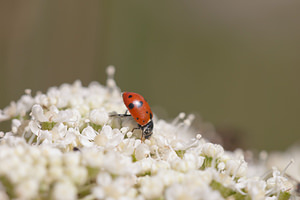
<point x="64" y="145"/>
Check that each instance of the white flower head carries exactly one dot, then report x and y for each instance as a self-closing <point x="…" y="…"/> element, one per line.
<point x="69" y="144"/>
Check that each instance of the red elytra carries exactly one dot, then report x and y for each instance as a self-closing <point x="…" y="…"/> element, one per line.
<point x="138" y="107"/>
<point x="140" y="111"/>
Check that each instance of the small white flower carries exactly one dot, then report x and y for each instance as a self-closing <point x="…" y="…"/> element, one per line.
<point x="129" y="134"/>
<point x="221" y="166"/>
<point x="64" y="190"/>
<point x="142" y="151"/>
<point x="92" y="157"/>
<point x="107" y="130"/>
<point x="212" y="150"/>
<point x="64" y="116"/>
<point x="118" y="164"/>
<point x="180" y="165"/>
<point x="27" y="189"/>
<point x="104" y="179"/>
<point x="35" y="127"/>
<point x="99" y="117"/>
<point x="116" y="139"/>
<point x="108" y="137"/>
<point x="44" y="137"/>
<point x="77" y="174"/>
<point x="194" y="161"/>
<point x="101" y="140"/>
<point x="278" y="182"/>
<point x="191" y="192"/>
<point x="55" y="172"/>
<point x="84" y="141"/>
<point x="71" y="159"/>
<point x="41" y="99"/>
<point x="38" y="113"/>
<point x="145" y="165"/>
<point x="177" y="192"/>
<point x="89" y="132"/>
<point x="127" y="146"/>
<point x="159" y="166"/>
<point x="124" y="130"/>
<point x="256" y="188"/>
<point x="118" y="188"/>
<point x="236" y="167"/>
<point x="15" y="125"/>
<point x="151" y="188"/>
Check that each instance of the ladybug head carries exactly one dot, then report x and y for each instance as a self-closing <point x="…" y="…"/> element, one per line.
<point x="147" y="129"/>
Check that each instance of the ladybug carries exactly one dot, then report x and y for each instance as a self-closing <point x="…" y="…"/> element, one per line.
<point x="140" y="111"/>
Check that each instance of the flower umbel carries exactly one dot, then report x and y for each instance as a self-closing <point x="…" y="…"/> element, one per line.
<point x="64" y="145"/>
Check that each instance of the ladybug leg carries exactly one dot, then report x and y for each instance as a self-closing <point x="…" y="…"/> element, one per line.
<point x="135" y="128"/>
<point x="119" y="115"/>
<point x="124" y="115"/>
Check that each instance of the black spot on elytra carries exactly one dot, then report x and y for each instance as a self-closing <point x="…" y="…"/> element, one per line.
<point x="147" y="112"/>
<point x="129" y="96"/>
<point x="130" y="106"/>
<point x="143" y="121"/>
<point x="150" y="115"/>
<point x="140" y="104"/>
<point x="137" y="118"/>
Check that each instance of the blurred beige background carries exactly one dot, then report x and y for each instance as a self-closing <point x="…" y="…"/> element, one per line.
<point x="236" y="63"/>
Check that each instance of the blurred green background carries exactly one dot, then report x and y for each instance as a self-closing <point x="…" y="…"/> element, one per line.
<point x="235" y="63"/>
